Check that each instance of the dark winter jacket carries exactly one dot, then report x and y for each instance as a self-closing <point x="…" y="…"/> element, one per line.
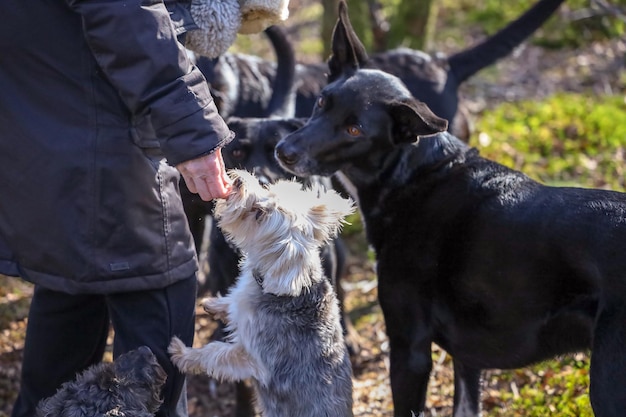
<point x="97" y="104"/>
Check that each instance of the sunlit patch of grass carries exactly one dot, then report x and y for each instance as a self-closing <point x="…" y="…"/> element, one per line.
<point x="568" y="139"/>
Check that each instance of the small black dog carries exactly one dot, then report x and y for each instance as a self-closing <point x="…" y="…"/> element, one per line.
<point x="241" y="84"/>
<point x="497" y="269"/>
<point x="129" y="386"/>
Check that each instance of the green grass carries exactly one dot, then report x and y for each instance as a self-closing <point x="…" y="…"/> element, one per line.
<point x="568" y="139"/>
<point x="553" y="388"/>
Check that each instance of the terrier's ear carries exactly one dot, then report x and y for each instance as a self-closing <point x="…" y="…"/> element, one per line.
<point x="412" y="119"/>
<point x="348" y="53"/>
<point x="328" y="216"/>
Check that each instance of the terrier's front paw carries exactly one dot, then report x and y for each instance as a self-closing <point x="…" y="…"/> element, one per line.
<point x="213" y="306"/>
<point x="186" y="359"/>
<point x="177" y="350"/>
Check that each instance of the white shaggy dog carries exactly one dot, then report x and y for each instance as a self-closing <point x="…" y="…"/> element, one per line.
<point x="282" y="314"/>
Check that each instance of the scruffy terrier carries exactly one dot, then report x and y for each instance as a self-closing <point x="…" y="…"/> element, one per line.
<point x="130" y="386"/>
<point x="282" y="314"/>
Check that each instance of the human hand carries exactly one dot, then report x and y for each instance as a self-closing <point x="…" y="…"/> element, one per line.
<point x="206" y="176"/>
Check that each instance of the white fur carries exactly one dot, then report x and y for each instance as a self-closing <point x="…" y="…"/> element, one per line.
<point x="283" y="245"/>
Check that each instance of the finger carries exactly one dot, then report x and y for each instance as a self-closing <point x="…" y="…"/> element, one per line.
<point x="225" y="178"/>
<point x="202" y="188"/>
<point x="189" y="182"/>
<point x="217" y="189"/>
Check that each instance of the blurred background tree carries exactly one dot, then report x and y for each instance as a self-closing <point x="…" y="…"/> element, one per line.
<point x="384" y="25"/>
<point x="387" y="24"/>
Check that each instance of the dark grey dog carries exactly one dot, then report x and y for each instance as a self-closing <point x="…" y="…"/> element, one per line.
<point x="282" y="315"/>
<point x="497" y="269"/>
<point x="130" y="386"/>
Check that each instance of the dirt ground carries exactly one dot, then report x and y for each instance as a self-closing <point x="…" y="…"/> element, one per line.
<point x="530" y="72"/>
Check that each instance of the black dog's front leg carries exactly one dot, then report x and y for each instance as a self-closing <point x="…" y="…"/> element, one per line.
<point x="608" y="363"/>
<point x="410" y="366"/>
<point x="466" y="390"/>
<point x="410" y="342"/>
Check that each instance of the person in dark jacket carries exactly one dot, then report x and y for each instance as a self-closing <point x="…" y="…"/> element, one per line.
<point x="99" y="104"/>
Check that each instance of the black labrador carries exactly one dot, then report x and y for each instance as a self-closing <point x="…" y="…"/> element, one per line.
<point x="496" y="268"/>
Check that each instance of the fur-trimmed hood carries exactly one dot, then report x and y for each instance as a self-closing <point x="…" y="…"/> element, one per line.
<point x="218" y="22"/>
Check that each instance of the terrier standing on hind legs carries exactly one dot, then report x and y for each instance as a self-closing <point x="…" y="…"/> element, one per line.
<point x="282" y="315"/>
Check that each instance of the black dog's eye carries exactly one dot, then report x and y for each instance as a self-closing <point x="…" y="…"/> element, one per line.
<point x="353" y="130"/>
<point x="321" y="101"/>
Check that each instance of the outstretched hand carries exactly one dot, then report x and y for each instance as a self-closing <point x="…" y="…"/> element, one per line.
<point x="206" y="176"/>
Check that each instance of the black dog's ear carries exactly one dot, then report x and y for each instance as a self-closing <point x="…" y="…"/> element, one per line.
<point x="411" y="119"/>
<point x="348" y="53"/>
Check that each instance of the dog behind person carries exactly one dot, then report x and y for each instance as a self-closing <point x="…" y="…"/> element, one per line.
<point x="282" y="314"/>
<point x="497" y="269"/>
<point x="130" y="386"/>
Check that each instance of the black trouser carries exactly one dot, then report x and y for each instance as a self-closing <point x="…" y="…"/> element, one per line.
<point x="67" y="333"/>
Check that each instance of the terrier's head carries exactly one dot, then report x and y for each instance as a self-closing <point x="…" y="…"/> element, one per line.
<point x="280" y="225"/>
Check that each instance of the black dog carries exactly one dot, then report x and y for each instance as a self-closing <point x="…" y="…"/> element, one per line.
<point x="130" y="386"/>
<point x="247" y="86"/>
<point x="497" y="269"/>
<point x="242" y="83"/>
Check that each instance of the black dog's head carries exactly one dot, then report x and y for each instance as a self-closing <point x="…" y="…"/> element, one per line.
<point x="253" y="147"/>
<point x="360" y="115"/>
<point x="131" y="386"/>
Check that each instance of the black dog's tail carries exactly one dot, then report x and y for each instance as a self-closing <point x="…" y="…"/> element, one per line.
<point x="282" y="102"/>
<point x="466" y="63"/>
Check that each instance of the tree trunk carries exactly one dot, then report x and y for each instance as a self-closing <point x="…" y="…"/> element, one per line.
<point x="328" y="23"/>
<point x="410" y="25"/>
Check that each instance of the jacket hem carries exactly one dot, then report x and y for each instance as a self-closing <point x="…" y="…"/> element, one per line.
<point x="110" y="285"/>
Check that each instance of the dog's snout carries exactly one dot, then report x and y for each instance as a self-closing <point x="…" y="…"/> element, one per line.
<point x="285" y="154"/>
<point x="144" y="350"/>
<point x="264" y="180"/>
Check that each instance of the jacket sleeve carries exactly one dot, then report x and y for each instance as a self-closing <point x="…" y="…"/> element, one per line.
<point x="134" y="43"/>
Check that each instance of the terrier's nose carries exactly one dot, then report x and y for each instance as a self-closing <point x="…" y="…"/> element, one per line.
<point x="285" y="155"/>
<point x="264" y="180"/>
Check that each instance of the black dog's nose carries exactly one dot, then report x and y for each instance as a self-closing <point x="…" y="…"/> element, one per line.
<point x="285" y="155"/>
<point x="144" y="350"/>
